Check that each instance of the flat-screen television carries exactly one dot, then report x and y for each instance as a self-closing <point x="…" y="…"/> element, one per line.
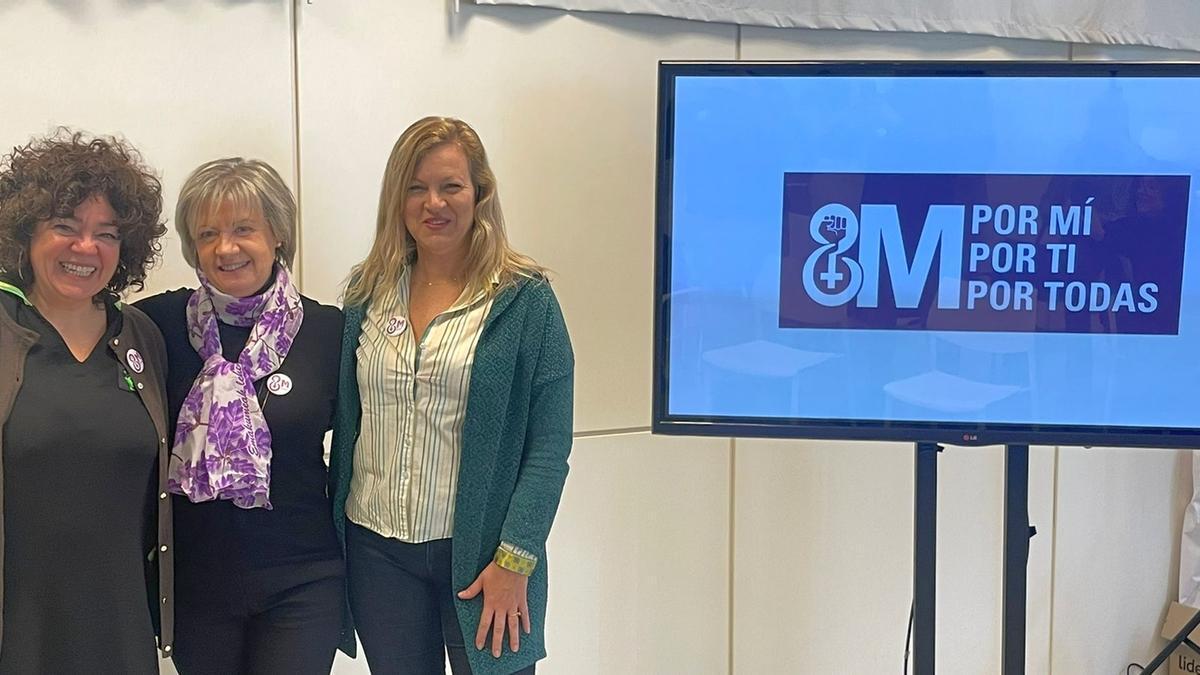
<point x="963" y="252"/>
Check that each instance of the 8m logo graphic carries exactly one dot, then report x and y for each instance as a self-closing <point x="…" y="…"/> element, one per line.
<point x="835" y="229"/>
<point x="983" y="252"/>
<point x="880" y="228"/>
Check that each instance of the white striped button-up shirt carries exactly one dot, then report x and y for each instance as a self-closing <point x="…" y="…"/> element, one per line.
<point x="414" y="403"/>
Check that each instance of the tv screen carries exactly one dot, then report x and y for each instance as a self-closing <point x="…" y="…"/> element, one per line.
<point x="959" y="252"/>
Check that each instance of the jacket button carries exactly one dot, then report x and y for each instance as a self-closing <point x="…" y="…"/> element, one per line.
<point x="116" y="341"/>
<point x="163" y="548"/>
<point x="167" y="649"/>
<point x="140" y="385"/>
<point x="164" y="600"/>
<point x="162" y="495"/>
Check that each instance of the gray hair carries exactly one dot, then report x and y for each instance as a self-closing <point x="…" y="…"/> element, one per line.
<point x="246" y="182"/>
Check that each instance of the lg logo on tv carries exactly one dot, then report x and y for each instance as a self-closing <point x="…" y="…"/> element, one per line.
<point x="833" y="278"/>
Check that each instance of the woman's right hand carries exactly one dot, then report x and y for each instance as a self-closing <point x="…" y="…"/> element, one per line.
<point x="505" y="605"/>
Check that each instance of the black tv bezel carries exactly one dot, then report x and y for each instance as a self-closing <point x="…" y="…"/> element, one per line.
<point x="955" y="433"/>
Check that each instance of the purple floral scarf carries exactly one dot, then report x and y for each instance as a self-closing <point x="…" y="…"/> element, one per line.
<point x="222" y="444"/>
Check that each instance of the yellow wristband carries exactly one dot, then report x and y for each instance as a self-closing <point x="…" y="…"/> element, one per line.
<point x="514" y="560"/>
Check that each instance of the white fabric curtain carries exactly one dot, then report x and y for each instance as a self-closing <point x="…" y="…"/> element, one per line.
<point x="1174" y="24"/>
<point x="1189" y="545"/>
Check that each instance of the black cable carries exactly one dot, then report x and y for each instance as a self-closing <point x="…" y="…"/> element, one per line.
<point x="912" y="610"/>
<point x="1140" y="667"/>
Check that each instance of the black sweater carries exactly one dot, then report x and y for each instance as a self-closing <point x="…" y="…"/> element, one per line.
<point x="295" y="540"/>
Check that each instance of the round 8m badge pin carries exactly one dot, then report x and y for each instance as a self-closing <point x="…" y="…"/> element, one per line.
<point x="134" y="359"/>
<point x="395" y="326"/>
<point x="279" y="384"/>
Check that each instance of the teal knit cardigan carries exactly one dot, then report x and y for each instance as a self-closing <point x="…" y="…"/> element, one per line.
<point x="516" y="439"/>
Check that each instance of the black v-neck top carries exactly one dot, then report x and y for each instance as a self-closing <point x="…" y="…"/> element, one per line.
<point x="80" y="453"/>
<point x="226" y="555"/>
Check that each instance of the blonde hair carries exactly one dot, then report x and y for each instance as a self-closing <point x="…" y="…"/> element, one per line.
<point x="243" y="182"/>
<point x="489" y="255"/>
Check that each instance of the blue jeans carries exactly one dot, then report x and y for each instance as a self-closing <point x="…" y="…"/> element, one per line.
<point x="403" y="605"/>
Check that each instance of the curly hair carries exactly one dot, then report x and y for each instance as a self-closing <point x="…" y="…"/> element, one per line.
<point x="51" y="176"/>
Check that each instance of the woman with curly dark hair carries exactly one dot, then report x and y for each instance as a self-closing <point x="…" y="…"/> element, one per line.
<point x="86" y="522"/>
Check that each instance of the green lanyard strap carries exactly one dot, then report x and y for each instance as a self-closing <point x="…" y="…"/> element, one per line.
<point x="9" y="288"/>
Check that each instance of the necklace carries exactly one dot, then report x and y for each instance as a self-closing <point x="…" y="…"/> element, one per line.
<point x="454" y="280"/>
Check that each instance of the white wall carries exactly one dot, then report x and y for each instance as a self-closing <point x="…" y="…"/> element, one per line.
<point x="184" y="81"/>
<point x="670" y="555"/>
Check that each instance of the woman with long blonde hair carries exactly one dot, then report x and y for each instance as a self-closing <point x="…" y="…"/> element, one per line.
<point x="454" y="421"/>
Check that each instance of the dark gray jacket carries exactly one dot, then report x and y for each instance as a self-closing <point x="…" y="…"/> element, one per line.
<point x="137" y="332"/>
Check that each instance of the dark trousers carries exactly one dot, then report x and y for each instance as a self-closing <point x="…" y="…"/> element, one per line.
<point x="403" y="605"/>
<point x="295" y="631"/>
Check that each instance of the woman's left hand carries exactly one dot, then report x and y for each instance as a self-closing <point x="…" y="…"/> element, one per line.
<point x="504" y="606"/>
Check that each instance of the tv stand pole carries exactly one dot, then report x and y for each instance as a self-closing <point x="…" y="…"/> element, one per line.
<point x="925" y="558"/>
<point x="1017" y="533"/>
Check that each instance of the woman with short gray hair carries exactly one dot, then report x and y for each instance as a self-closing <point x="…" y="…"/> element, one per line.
<point x="251" y="388"/>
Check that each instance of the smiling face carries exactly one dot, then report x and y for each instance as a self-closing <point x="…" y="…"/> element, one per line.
<point x="74" y="258"/>
<point x="439" y="206"/>
<point x="235" y="248"/>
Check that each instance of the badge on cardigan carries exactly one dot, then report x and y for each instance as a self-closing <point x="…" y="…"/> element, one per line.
<point x="279" y="384"/>
<point x="395" y="326"/>
<point x="136" y="364"/>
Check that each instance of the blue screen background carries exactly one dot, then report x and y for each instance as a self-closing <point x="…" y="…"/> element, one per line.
<point x="735" y="137"/>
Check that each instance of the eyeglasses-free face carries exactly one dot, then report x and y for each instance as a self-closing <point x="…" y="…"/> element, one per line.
<point x="439" y="206"/>
<point x="73" y="258"/>
<point x="235" y="248"/>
